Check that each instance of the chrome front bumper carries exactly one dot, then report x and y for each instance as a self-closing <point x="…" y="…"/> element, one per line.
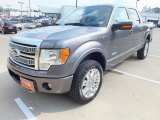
<point x="59" y="85"/>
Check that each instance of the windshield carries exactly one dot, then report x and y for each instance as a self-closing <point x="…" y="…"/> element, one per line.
<point x="8" y="24"/>
<point x="96" y="16"/>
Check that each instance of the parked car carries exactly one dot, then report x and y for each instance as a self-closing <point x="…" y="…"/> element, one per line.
<point x="17" y="24"/>
<point x="48" y="22"/>
<point x="151" y="25"/>
<point x="30" y="25"/>
<point x="71" y="57"/>
<point x="7" y="27"/>
<point x="38" y="23"/>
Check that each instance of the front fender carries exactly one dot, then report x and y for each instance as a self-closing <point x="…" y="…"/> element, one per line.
<point x="84" y="50"/>
<point x="148" y="32"/>
<point x="77" y="55"/>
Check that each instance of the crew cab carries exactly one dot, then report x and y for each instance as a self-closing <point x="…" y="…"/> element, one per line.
<point x="72" y="56"/>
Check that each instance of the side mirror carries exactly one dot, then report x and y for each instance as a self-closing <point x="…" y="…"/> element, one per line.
<point x="122" y="26"/>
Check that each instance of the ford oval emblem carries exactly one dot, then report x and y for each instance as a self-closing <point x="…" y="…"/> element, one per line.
<point x="15" y="52"/>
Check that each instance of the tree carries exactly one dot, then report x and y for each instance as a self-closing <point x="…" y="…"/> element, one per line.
<point x="156" y="10"/>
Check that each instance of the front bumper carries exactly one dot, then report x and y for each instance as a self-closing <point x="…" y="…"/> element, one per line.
<point x="59" y="85"/>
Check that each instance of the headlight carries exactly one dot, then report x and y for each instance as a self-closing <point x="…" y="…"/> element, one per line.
<point x="52" y="57"/>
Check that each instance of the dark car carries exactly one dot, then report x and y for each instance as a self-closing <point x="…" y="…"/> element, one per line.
<point x="49" y="22"/>
<point x="6" y="27"/>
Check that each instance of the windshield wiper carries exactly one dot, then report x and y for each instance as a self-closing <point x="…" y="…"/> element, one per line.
<point x="76" y="24"/>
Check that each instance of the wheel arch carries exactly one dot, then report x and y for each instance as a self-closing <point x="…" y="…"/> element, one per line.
<point x="97" y="56"/>
<point x="95" y="51"/>
<point x="148" y="36"/>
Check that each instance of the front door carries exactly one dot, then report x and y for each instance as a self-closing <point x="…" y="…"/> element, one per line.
<point x="120" y="41"/>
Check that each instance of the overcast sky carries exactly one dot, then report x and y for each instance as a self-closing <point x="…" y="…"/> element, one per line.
<point x="59" y="3"/>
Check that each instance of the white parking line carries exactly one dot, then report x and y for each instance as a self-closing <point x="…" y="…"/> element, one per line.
<point x="136" y="76"/>
<point x="154" y="56"/>
<point x="24" y="109"/>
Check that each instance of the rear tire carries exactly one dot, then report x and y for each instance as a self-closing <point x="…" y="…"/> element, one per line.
<point x="143" y="52"/>
<point x="3" y="32"/>
<point x="16" y="32"/>
<point x="87" y="82"/>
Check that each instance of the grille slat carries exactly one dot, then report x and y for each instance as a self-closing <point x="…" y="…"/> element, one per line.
<point x="23" y="48"/>
<point x="23" y="54"/>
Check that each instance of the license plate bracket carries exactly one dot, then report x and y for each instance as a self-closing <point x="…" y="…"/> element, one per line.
<point x="31" y="85"/>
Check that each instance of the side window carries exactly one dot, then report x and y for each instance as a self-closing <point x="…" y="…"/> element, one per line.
<point x="120" y="15"/>
<point x="133" y="15"/>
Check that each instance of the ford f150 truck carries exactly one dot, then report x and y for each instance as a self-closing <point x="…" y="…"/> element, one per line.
<point x="71" y="56"/>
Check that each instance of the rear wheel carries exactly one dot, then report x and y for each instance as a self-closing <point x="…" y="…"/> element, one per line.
<point x="143" y="52"/>
<point x="87" y="82"/>
<point x="3" y="32"/>
<point x="15" y="32"/>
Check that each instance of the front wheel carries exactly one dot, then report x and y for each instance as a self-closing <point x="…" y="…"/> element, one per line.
<point x="87" y="82"/>
<point x="143" y="52"/>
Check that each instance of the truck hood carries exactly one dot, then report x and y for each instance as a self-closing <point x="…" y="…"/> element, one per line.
<point x="58" y="32"/>
<point x="49" y="36"/>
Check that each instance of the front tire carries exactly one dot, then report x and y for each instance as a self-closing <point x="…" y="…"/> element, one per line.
<point x="87" y="82"/>
<point x="143" y="52"/>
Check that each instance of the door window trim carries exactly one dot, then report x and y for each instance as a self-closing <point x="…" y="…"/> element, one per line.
<point x="136" y="12"/>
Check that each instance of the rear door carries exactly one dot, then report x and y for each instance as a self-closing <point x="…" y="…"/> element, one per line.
<point x="137" y="29"/>
<point x="120" y="41"/>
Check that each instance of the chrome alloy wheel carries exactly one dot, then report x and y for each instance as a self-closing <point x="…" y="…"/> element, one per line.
<point x="91" y="82"/>
<point x="146" y="49"/>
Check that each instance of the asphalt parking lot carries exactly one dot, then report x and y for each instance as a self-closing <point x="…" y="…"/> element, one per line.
<point x="130" y="92"/>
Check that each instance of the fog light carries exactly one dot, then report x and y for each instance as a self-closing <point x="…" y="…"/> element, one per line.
<point x="47" y="86"/>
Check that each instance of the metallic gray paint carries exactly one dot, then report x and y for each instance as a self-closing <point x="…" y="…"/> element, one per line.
<point x="115" y="46"/>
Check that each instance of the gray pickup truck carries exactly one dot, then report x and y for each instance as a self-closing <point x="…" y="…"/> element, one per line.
<point x="71" y="56"/>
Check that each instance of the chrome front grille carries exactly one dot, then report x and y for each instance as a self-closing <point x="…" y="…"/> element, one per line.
<point x="23" y="54"/>
<point x="23" y="47"/>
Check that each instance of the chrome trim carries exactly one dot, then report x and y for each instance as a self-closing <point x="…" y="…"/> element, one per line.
<point x="122" y="54"/>
<point x="27" y="43"/>
<point x="23" y="48"/>
<point x="91" y="83"/>
<point x="23" y="60"/>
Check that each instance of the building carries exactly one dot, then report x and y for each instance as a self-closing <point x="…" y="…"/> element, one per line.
<point x="51" y="12"/>
<point x="57" y="12"/>
<point x="47" y="11"/>
<point x="25" y="13"/>
<point x="150" y="17"/>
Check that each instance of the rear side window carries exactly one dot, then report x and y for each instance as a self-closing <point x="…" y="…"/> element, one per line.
<point x="120" y="15"/>
<point x="133" y="15"/>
